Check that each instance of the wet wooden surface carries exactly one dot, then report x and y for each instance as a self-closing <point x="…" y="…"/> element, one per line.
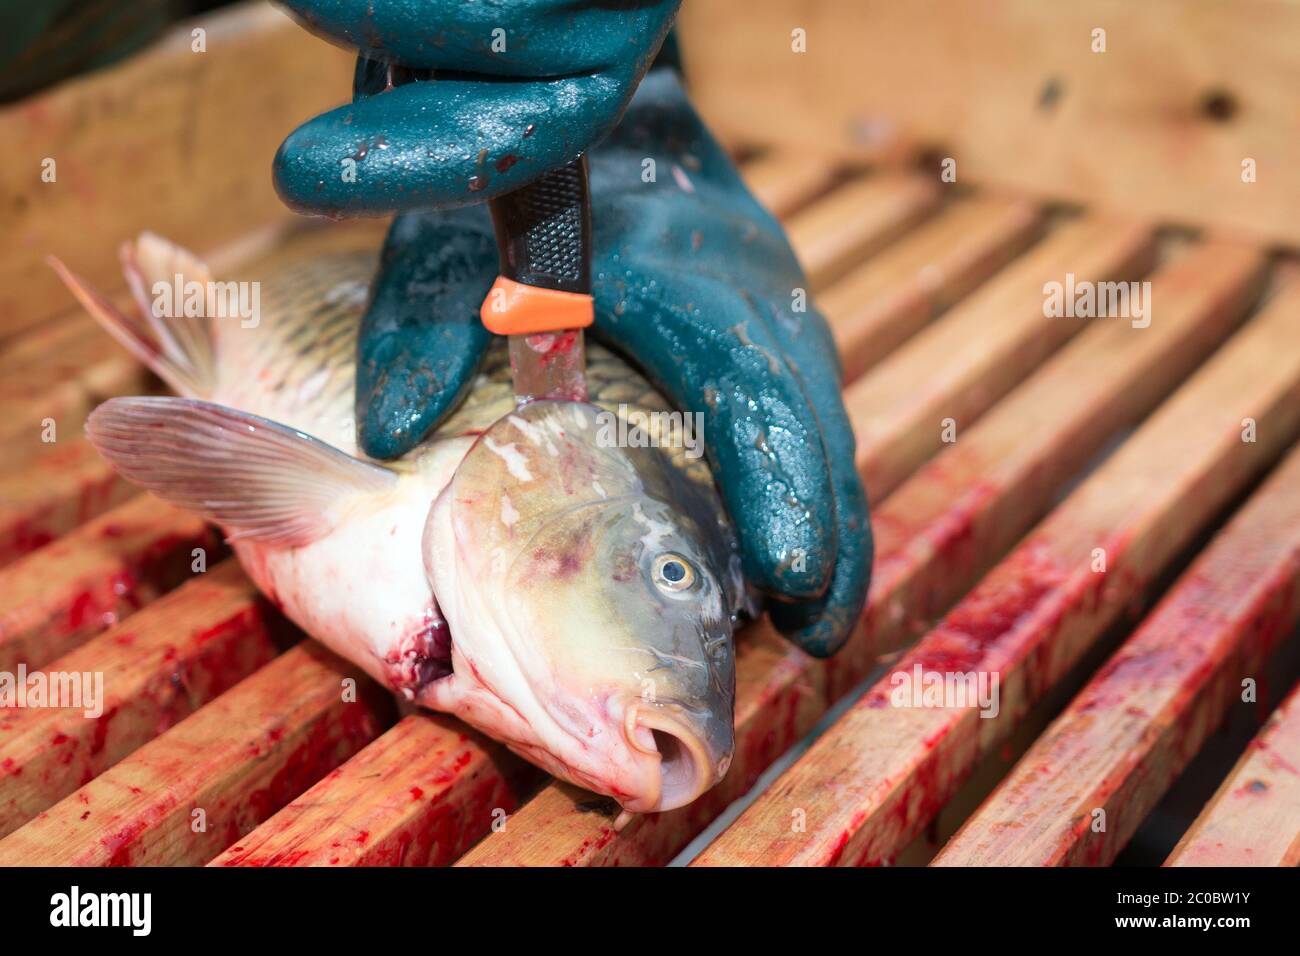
<point x="875" y="779"/>
<point x="1175" y="100"/>
<point x="1080" y="793"/>
<point x="936" y="301"/>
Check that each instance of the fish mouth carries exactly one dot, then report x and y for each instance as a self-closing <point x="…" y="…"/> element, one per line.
<point x="684" y="769"/>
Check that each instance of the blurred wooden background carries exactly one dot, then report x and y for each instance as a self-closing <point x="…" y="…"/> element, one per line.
<point x="1157" y="125"/>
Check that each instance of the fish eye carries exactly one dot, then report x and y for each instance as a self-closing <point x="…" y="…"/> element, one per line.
<point x="672" y="572"/>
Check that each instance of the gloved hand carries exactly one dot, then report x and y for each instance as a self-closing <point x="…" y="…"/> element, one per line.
<point x="692" y="280"/>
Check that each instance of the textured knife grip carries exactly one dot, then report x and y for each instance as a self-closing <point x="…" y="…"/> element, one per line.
<point x="543" y="231"/>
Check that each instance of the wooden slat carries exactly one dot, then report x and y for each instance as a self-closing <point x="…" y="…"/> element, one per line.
<point x="876" y="778"/>
<point x="981" y="349"/>
<point x="420" y="795"/>
<point x="86" y="581"/>
<point x="198" y="788"/>
<point x="786" y="180"/>
<point x="61" y="371"/>
<point x="1254" y="818"/>
<point x="878" y="306"/>
<point x="859" y="218"/>
<point x="158" y="666"/>
<point x="47" y="490"/>
<point x="933" y="537"/>
<point x="180" y="172"/>
<point x="1129" y="734"/>
<point x="1184" y="92"/>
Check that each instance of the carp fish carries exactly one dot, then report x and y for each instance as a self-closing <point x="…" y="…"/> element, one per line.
<point x="570" y="596"/>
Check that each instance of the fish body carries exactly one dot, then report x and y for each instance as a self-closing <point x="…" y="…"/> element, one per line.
<point x="567" y="595"/>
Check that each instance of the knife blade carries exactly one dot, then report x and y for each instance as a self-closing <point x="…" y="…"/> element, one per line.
<point x="542" y="299"/>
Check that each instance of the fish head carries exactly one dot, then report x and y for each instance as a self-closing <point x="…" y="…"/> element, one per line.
<point x="589" y="589"/>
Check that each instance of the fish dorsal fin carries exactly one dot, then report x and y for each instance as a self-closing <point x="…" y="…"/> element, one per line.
<point x="259" y="479"/>
<point x="179" y="348"/>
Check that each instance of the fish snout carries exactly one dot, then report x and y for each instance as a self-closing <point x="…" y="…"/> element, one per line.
<point x="685" y="762"/>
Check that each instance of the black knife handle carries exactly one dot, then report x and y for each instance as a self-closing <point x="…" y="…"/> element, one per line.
<point x="543" y="231"/>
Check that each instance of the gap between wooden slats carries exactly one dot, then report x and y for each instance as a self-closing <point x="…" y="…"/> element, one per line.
<point x="785" y="181"/>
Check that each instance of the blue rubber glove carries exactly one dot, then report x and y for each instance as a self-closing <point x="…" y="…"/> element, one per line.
<point x="693" y="281"/>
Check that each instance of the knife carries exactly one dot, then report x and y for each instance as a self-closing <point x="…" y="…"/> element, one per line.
<point x="542" y="299"/>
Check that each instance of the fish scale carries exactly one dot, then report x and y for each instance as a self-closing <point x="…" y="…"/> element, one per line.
<point x="308" y="329"/>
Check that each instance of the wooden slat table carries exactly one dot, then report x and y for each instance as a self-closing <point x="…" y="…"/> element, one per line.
<point x="1080" y="793"/>
<point x="215" y="712"/>
<point x="871" y="783"/>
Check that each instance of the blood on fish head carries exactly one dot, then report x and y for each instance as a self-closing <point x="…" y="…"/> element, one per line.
<point x="589" y="591"/>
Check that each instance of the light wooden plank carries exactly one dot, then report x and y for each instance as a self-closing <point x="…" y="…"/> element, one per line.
<point x="870" y="784"/>
<point x="88" y="580"/>
<point x="981" y="349"/>
<point x="787" y="180"/>
<point x="66" y="368"/>
<point x="878" y="306"/>
<point x="419" y="795"/>
<point x="47" y="490"/>
<point x="857" y="219"/>
<point x="186" y="796"/>
<point x="180" y="172"/>
<point x="934" y="536"/>
<point x="1254" y="817"/>
<point x="1133" y="729"/>
<point x="1185" y="91"/>
<point x="158" y="666"/>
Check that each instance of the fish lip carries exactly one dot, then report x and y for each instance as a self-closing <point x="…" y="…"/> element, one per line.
<point x="690" y="770"/>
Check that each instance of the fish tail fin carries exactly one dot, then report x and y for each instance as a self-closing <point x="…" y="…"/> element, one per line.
<point x="179" y="349"/>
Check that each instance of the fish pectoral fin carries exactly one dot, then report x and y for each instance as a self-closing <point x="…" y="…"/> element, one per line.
<point x="260" y="479"/>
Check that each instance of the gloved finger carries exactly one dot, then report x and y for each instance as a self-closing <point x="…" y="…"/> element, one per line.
<point x="421" y="338"/>
<point x="520" y="38"/>
<point x="703" y="218"/>
<point x="708" y="350"/>
<point x="443" y="142"/>
<point x="820" y="626"/>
